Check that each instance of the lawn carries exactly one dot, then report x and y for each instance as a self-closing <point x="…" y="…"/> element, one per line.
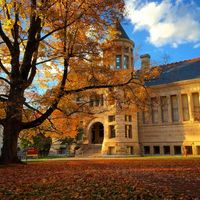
<point x="103" y="179"/>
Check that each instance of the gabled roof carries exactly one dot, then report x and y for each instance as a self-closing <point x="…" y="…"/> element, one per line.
<point x="179" y="71"/>
<point x="122" y="33"/>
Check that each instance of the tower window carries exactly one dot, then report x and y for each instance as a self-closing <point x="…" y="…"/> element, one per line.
<point x="126" y="61"/>
<point x="118" y="62"/>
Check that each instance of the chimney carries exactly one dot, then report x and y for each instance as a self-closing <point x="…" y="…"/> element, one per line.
<point x="145" y="61"/>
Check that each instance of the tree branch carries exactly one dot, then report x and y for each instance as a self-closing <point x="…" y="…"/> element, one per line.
<point x="6" y="39"/>
<point x="42" y="118"/>
<point x="4" y="69"/>
<point x="5" y="80"/>
<point x="91" y="87"/>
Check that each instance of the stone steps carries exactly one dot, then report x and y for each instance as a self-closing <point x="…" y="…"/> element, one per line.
<point x="90" y="150"/>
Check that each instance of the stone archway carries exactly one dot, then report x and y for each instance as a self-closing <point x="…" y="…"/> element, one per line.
<point x="97" y="133"/>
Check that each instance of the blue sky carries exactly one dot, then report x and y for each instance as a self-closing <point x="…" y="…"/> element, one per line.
<point x="164" y="27"/>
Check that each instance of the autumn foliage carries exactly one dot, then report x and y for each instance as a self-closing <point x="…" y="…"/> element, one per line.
<point x="103" y="179"/>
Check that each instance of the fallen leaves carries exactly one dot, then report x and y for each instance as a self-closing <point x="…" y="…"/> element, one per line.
<point x="102" y="179"/>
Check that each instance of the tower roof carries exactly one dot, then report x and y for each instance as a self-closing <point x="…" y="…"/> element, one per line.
<point x="122" y="33"/>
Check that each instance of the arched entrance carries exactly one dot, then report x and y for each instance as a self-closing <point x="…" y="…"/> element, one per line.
<point x="97" y="133"/>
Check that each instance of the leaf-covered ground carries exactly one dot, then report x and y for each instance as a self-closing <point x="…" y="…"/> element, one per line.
<point x="102" y="179"/>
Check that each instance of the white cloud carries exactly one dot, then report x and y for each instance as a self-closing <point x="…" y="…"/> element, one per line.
<point x="196" y="46"/>
<point x="168" y="21"/>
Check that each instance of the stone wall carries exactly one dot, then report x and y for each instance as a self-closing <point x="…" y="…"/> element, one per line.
<point x="185" y="134"/>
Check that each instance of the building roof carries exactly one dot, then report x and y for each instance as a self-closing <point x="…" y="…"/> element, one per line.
<point x="179" y="71"/>
<point x="122" y="33"/>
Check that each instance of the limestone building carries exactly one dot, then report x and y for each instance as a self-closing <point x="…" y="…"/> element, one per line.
<point x="170" y="126"/>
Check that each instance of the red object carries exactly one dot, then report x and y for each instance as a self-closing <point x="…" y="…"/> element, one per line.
<point x="32" y="151"/>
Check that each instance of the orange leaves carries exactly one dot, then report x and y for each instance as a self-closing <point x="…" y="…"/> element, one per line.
<point x="65" y="126"/>
<point x="102" y="179"/>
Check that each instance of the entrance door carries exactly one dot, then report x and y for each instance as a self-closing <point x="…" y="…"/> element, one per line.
<point x="97" y="133"/>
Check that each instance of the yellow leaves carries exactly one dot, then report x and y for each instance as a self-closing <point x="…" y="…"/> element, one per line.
<point x="8" y="24"/>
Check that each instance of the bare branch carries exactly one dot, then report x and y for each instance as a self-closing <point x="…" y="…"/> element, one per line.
<point x="44" y="61"/>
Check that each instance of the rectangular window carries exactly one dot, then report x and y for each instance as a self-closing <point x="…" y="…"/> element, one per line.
<point x="128" y="118"/>
<point x="126" y="61"/>
<point x="177" y="150"/>
<point x="166" y="150"/>
<point x="112" y="131"/>
<point x="118" y="62"/>
<point x="156" y="149"/>
<point x="128" y="131"/>
<point x="164" y="108"/>
<point x="188" y="150"/>
<point x="130" y="150"/>
<point x="185" y="107"/>
<point x="154" y="110"/>
<point x="174" y="107"/>
<point x="111" y="118"/>
<point x="196" y="106"/>
<point x="146" y="150"/>
<point x="198" y="150"/>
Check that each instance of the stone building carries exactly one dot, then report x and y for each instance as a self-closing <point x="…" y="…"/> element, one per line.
<point x="169" y="126"/>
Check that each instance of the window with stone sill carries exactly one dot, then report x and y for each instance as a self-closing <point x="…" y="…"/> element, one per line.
<point x="177" y="150"/>
<point x="146" y="150"/>
<point x="118" y="61"/>
<point x="126" y="62"/>
<point x="156" y="149"/>
<point x="128" y="131"/>
<point x="166" y="150"/>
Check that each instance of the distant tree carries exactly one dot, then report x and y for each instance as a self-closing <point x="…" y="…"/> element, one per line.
<point x="42" y="143"/>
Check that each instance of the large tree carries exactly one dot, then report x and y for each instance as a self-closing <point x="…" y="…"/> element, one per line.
<point x="56" y="43"/>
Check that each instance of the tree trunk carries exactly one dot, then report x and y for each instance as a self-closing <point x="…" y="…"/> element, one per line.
<point x="9" y="149"/>
<point x="12" y="126"/>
